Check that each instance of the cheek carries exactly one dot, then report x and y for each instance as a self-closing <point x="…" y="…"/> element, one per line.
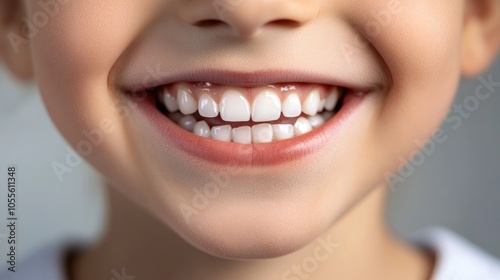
<point x="73" y="56"/>
<point x="421" y="48"/>
<point x="424" y="59"/>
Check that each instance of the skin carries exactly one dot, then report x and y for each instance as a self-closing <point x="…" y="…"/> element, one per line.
<point x="88" y="51"/>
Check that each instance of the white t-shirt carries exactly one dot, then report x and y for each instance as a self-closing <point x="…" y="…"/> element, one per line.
<point x="457" y="259"/>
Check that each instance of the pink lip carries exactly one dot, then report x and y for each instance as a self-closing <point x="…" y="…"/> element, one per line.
<point x="157" y="77"/>
<point x="233" y="154"/>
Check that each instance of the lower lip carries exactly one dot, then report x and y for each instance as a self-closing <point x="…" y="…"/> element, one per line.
<point x="234" y="154"/>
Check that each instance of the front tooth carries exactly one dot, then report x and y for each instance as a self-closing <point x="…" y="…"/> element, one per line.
<point x="202" y="129"/>
<point x="169" y="101"/>
<point x="311" y="104"/>
<point x="242" y="135"/>
<point x="222" y="133"/>
<point x="301" y="126"/>
<point x="262" y="133"/>
<point x="207" y="107"/>
<point x="186" y="102"/>
<point x="187" y="122"/>
<point x="331" y="99"/>
<point x="266" y="107"/>
<point x="234" y="107"/>
<point x="321" y="106"/>
<point x="291" y="106"/>
<point x="282" y="131"/>
<point x="316" y="121"/>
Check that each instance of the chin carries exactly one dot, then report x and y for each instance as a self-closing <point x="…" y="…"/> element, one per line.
<point x="252" y="230"/>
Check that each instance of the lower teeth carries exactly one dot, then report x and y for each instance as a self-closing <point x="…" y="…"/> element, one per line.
<point x="258" y="133"/>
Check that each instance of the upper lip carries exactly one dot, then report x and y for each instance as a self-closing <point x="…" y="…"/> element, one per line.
<point x="155" y="78"/>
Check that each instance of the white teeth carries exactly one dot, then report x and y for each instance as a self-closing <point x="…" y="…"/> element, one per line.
<point x="187" y="122"/>
<point x="316" y="121"/>
<point x="321" y="106"/>
<point x="311" y="103"/>
<point x="207" y="107"/>
<point x="242" y="135"/>
<point x="186" y="102"/>
<point x="291" y="106"/>
<point x="282" y="131"/>
<point x="302" y="126"/>
<point x="331" y="99"/>
<point x="202" y="129"/>
<point x="266" y="107"/>
<point x="222" y="133"/>
<point x="234" y="107"/>
<point x="169" y="101"/>
<point x="262" y="133"/>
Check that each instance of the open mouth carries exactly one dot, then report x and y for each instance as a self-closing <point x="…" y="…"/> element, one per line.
<point x="249" y="115"/>
<point x="236" y="122"/>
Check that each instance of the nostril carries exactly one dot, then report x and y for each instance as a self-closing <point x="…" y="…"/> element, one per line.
<point x="284" y="23"/>
<point x="217" y="22"/>
<point x="208" y="23"/>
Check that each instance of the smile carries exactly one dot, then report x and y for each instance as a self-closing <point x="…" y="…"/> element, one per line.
<point x="249" y="125"/>
<point x="249" y="115"/>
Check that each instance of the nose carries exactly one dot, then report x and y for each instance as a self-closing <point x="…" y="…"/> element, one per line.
<point x="247" y="17"/>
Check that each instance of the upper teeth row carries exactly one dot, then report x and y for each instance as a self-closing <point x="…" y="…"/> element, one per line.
<point x="234" y="106"/>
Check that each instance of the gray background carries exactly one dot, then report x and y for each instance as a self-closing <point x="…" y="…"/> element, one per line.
<point x="457" y="186"/>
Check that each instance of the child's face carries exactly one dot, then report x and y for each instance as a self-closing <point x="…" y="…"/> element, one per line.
<point x="247" y="200"/>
